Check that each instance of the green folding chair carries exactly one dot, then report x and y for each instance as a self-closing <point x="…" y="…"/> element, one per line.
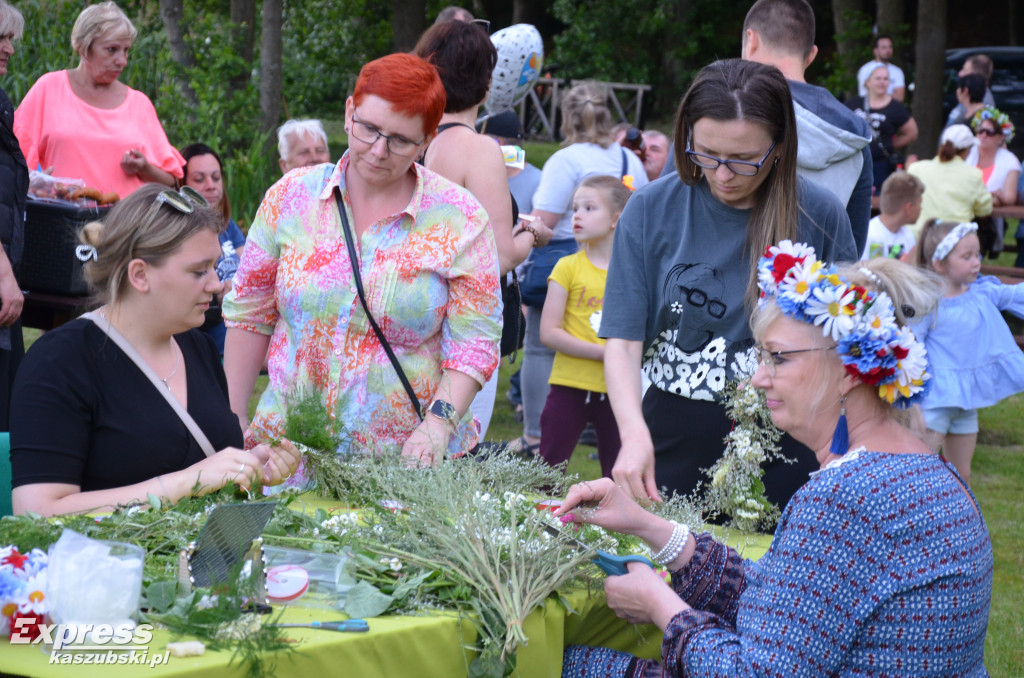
<point x="5" y="474"/>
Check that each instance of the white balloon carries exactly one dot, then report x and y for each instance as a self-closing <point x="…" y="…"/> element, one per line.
<point x="520" y="59"/>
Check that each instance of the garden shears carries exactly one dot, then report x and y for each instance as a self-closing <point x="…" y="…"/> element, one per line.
<point x="609" y="562"/>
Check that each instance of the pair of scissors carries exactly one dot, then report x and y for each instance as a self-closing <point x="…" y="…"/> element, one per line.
<point x="351" y="625"/>
<point x="611" y="564"/>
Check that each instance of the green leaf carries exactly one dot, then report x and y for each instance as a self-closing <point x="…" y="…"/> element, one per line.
<point x="486" y="666"/>
<point x="365" y="600"/>
<point x="410" y="585"/>
<point x="566" y="604"/>
<point x="154" y="501"/>
<point x="160" y="595"/>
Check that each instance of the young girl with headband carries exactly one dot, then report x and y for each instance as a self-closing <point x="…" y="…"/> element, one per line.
<point x="965" y="379"/>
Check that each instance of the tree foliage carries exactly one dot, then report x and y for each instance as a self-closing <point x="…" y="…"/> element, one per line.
<point x="325" y="44"/>
<point x="662" y="43"/>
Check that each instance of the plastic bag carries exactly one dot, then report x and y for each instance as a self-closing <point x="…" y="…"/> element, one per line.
<point x="64" y="191"/>
<point x="94" y="582"/>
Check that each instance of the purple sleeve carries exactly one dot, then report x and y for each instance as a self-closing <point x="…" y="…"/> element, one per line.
<point x="711" y="583"/>
<point x="713" y="580"/>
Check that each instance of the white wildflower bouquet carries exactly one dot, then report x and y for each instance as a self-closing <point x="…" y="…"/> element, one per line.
<point x="736" y="489"/>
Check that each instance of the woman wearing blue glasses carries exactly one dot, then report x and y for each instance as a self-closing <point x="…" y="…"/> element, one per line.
<point x="683" y="277"/>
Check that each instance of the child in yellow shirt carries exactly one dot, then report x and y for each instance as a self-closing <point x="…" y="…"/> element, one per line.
<point x="569" y="324"/>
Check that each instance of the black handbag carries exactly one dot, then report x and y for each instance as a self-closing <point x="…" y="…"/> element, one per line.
<point x="513" y="323"/>
<point x="542" y="261"/>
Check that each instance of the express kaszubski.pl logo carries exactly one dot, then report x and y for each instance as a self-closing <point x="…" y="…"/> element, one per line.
<point x="126" y="643"/>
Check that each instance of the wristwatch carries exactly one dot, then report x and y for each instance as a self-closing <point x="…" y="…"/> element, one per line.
<point x="445" y="411"/>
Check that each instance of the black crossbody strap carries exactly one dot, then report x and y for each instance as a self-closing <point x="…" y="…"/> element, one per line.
<point x="354" y="258"/>
<point x="625" y="163"/>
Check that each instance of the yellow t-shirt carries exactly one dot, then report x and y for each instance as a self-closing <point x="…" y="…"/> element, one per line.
<point x="582" y="318"/>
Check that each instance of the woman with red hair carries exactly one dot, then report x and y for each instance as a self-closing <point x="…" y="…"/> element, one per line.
<point x="421" y="306"/>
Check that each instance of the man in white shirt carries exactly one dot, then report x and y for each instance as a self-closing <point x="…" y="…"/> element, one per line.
<point x="883" y="54"/>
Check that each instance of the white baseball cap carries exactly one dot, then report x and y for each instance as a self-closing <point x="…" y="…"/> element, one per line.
<point x="960" y="135"/>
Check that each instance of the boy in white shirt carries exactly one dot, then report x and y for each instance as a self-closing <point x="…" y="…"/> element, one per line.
<point x="900" y="202"/>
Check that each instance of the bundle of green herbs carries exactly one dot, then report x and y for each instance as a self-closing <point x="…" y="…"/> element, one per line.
<point x="163" y="530"/>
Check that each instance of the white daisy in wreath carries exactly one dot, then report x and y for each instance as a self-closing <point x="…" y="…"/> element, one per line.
<point x="830" y="307"/>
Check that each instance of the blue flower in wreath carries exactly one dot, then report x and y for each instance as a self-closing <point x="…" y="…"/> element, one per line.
<point x="10" y="585"/>
<point x="868" y="357"/>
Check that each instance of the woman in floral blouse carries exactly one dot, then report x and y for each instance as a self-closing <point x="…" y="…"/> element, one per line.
<point x="429" y="269"/>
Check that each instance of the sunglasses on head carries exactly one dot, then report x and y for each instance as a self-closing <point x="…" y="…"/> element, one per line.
<point x="185" y="199"/>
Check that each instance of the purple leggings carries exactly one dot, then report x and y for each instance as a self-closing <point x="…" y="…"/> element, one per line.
<point x="566" y="412"/>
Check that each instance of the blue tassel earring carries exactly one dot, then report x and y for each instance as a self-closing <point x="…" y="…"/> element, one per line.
<point x="841" y="436"/>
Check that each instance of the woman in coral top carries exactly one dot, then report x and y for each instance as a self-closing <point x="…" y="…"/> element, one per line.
<point x="86" y="124"/>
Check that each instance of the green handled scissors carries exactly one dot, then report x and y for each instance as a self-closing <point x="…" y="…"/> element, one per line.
<point x="609" y="562"/>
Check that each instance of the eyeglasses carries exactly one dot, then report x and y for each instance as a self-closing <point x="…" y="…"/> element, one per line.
<point x="744" y="168"/>
<point x="699" y="299"/>
<point x="396" y="144"/>
<point x="484" y="24"/>
<point x="185" y="199"/>
<point x="772" y="359"/>
<point x="989" y="132"/>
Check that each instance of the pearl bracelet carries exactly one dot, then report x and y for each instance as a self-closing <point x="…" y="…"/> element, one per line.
<point x="671" y="550"/>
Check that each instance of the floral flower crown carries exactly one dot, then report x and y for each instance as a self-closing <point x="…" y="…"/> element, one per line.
<point x="1002" y="120"/>
<point x="874" y="348"/>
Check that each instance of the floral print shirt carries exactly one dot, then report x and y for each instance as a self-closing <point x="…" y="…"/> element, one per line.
<point x="430" y="274"/>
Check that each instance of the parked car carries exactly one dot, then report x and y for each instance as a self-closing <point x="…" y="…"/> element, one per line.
<point x="1007" y="83"/>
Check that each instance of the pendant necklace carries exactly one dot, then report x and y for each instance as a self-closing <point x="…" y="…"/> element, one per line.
<point x="177" y="356"/>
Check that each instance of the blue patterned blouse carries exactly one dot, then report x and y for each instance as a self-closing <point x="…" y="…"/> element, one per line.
<point x="881" y="566"/>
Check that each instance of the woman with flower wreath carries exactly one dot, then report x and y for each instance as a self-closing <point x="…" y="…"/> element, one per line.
<point x="682" y="276"/>
<point x="881" y="563"/>
<point x="1000" y="169"/>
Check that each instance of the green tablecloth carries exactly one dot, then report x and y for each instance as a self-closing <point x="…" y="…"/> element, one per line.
<point x="395" y="646"/>
<point x="424" y="647"/>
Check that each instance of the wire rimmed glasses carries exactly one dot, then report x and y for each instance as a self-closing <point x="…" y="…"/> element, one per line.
<point x="744" y="168"/>
<point x="772" y="359"/>
<point x="396" y="143"/>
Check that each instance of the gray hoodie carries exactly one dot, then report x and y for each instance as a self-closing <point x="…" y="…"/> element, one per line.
<point x="833" y="151"/>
